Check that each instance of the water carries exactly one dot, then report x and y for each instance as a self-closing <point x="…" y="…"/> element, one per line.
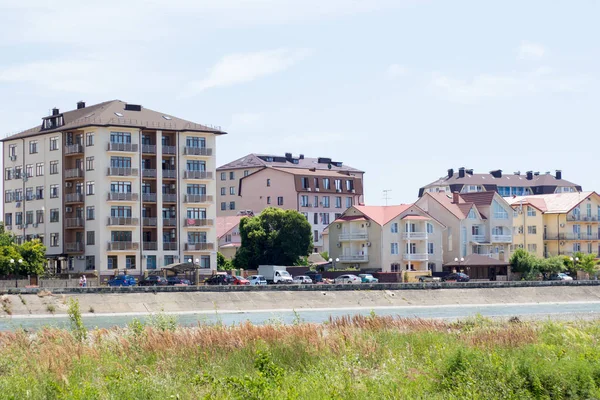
<point x="453" y="312"/>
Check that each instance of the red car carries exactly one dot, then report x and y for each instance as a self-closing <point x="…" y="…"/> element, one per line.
<point x="238" y="280"/>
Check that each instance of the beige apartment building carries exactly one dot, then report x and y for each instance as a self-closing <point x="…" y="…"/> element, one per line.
<point x="320" y="188"/>
<point x="114" y="186"/>
<point x="393" y="238"/>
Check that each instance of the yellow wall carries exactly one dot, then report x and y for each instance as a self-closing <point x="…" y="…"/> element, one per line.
<point x="534" y="243"/>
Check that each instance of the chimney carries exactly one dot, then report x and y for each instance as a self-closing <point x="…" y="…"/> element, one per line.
<point x="450" y="173"/>
<point x="55" y="111"/>
<point x="496" y="173"/>
<point x="461" y="172"/>
<point x="558" y="174"/>
<point x="288" y="155"/>
<point x="80" y="105"/>
<point x="454" y="197"/>
<point x="529" y="175"/>
<point x="469" y="171"/>
<point x="302" y="156"/>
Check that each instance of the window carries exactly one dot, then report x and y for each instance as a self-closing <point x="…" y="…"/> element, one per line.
<point x="8" y="196"/>
<point x="349" y="185"/>
<point x="19" y="218"/>
<point x="120" y="162"/>
<point x="315" y="235"/>
<point x="12" y="150"/>
<point x="315" y="218"/>
<point x="90" y="263"/>
<point x="29" y="217"/>
<point x="196" y="237"/>
<point x="231" y="175"/>
<point x="326" y="201"/>
<point x="588" y="211"/>
<point x="112" y="262"/>
<point x="39" y="169"/>
<point x="223" y="191"/>
<point x="196" y="189"/>
<point x="499" y="211"/>
<point x="8" y="219"/>
<point x="91" y="238"/>
<point x="303" y="201"/>
<point x="120" y="137"/>
<point x="223" y="206"/>
<point x="33" y="146"/>
<point x="29" y="170"/>
<point x="90" y="188"/>
<point x="18" y="194"/>
<point x="205" y="262"/>
<point x="316" y="183"/>
<point x="576" y="247"/>
<point x="429" y="228"/>
<point x="151" y="262"/>
<point x="280" y="201"/>
<point x="246" y="173"/>
<point x="338" y="185"/>
<point x="232" y="205"/>
<point x="411" y="248"/>
<point x="227" y="238"/>
<point x="39" y="217"/>
<point x="54" y="240"/>
<point x="305" y="215"/>
<point x="120" y="187"/>
<point x="169" y="260"/>
<point x="338" y="202"/>
<point x="429" y="248"/>
<point x="326" y="184"/>
<point x="223" y="176"/>
<point x="394" y="248"/>
<point x="54" y="143"/>
<point x="472" y="214"/>
<point x="532" y="247"/>
<point x="18" y="172"/>
<point x="8" y="173"/>
<point x="530" y="211"/>
<point x="120" y="236"/>
<point x="53" y="191"/>
<point x="394" y="268"/>
<point x="195" y="142"/>
<point x="89" y="139"/>
<point x="89" y="163"/>
<point x="53" y="167"/>
<point x="54" y="215"/>
<point x="232" y="190"/>
<point x="90" y="213"/>
<point x="394" y="227"/>
<point x="268" y="182"/>
<point x="120" y="211"/>
<point x="348" y="202"/>
<point x="195" y="165"/>
<point x="531" y="230"/>
<point x="305" y="184"/>
<point x="29" y="194"/>
<point x="268" y="199"/>
<point x="130" y="262"/>
<point x="196" y="213"/>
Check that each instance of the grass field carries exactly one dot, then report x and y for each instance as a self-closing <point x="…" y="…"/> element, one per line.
<point x="348" y="358"/>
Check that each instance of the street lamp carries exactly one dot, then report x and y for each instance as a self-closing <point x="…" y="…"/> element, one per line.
<point x="12" y="261"/>
<point x="331" y="260"/>
<point x="459" y="261"/>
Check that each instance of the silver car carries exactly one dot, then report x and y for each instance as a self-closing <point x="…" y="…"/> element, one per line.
<point x="257" y="280"/>
<point x="301" y="279"/>
<point x="349" y="278"/>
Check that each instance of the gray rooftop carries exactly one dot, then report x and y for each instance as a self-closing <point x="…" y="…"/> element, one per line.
<point x="287" y="161"/>
<point x="516" y="180"/>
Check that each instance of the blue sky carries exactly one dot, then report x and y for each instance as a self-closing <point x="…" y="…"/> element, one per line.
<point x="401" y="89"/>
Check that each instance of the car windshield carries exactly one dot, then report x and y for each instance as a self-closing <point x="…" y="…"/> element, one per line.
<point x="240" y="278"/>
<point x="285" y="273"/>
<point x="260" y="277"/>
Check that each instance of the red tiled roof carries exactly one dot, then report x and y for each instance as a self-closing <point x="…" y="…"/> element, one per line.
<point x="383" y="214"/>
<point x="225" y="224"/>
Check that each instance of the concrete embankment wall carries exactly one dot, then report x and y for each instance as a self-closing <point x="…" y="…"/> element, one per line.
<point x="30" y="303"/>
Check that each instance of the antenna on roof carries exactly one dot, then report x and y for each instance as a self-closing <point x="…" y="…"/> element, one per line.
<point x="386" y="195"/>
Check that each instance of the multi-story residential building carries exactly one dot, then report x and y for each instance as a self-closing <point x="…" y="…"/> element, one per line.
<point x="563" y="224"/>
<point x="113" y="186"/>
<point x="228" y="235"/>
<point x="320" y="188"/>
<point x="393" y="238"/>
<point x="476" y="223"/>
<point x="466" y="181"/>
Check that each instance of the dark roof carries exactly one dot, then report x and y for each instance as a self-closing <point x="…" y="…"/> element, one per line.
<point x="474" y="260"/>
<point x="479" y="198"/>
<point x="104" y="114"/>
<point x="254" y="160"/>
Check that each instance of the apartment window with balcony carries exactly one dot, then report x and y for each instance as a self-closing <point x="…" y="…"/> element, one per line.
<point x="476" y="230"/>
<point x="53" y="167"/>
<point x="90" y="213"/>
<point x="196" y="237"/>
<point x="112" y="262"/>
<point x="196" y="213"/>
<point x="54" y="240"/>
<point x="29" y="194"/>
<point x="89" y="163"/>
<point x="89" y="139"/>
<point x="531" y="230"/>
<point x="325" y="218"/>
<point x="531" y="211"/>
<point x="196" y="189"/>
<point x="326" y="201"/>
<point x="232" y="190"/>
<point x="472" y="214"/>
<point x="394" y="227"/>
<point x="91" y="238"/>
<point x="576" y="247"/>
<point x="338" y="185"/>
<point x="268" y="182"/>
<point x="232" y="205"/>
<point x="338" y="202"/>
<point x="268" y="199"/>
<point x="430" y="248"/>
<point x="39" y="217"/>
<point x="408" y="227"/>
<point x="54" y="143"/>
<point x="120" y="236"/>
<point x="223" y="176"/>
<point x="39" y="169"/>
<point x="54" y="215"/>
<point x="223" y="206"/>
<point x="195" y="165"/>
<point x="303" y="201"/>
<point x="33" y="147"/>
<point x="195" y="142"/>
<point x="120" y="187"/>
<point x="429" y="228"/>
<point x="499" y="211"/>
<point x="394" y="248"/>
<point x="588" y="210"/>
<point x="8" y="219"/>
<point x="120" y="211"/>
<point x="326" y="184"/>
<point x="19" y="218"/>
<point x="280" y="201"/>
<point x="316" y="181"/>
<point x="53" y="191"/>
<point x="120" y="162"/>
<point x="90" y="188"/>
<point x="411" y="248"/>
<point x="130" y="262"/>
<point x="576" y="213"/>
<point x="29" y="170"/>
<point x="120" y="137"/>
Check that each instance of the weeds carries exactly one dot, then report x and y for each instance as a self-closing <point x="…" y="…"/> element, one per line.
<point x="22" y="299"/>
<point x="44" y="293"/>
<point x="78" y="329"/>
<point x="6" y="304"/>
<point x="91" y="310"/>
<point x="51" y="308"/>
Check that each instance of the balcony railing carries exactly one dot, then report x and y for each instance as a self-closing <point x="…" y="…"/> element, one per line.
<point x="115" y="246"/>
<point x="149" y="173"/>
<point x="414" y="235"/>
<point x="73" y="149"/>
<point x="121" y="221"/>
<point x="149" y="149"/>
<point x="74" y="198"/>
<point x="198" y="222"/>
<point x="73" y="247"/>
<point x="571" y="236"/>
<point x="129" y="147"/>
<point x="199" y="246"/>
<point x="73" y="173"/>
<point x="169" y="150"/>
<point x="198" y="198"/>
<point x="169" y="198"/>
<point x="197" y="151"/>
<point x="112" y="196"/>
<point x="74" y="222"/>
<point x="591" y="218"/>
<point x="354" y="236"/>
<point x="169" y="245"/>
<point x="149" y="197"/>
<point x="150" y="246"/>
<point x="501" y="238"/>
<point x="198" y="175"/>
<point x="356" y="258"/>
<point x="169" y="222"/>
<point x="415" y="256"/>
<point x="115" y="171"/>
<point x="149" y="221"/>
<point x="478" y="238"/>
<point x="169" y="173"/>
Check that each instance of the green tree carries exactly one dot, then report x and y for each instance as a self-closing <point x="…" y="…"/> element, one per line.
<point x="33" y="254"/>
<point x="7" y="253"/>
<point x="587" y="263"/>
<point x="325" y="255"/>
<point x="549" y="266"/>
<point x="523" y="262"/>
<point x="275" y="237"/>
<point x="223" y="264"/>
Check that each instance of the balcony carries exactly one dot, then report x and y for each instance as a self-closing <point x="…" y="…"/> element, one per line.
<point x="353" y="236"/>
<point x="170" y="246"/>
<point x="478" y="238"/>
<point x="414" y="235"/>
<point x="415" y="256"/>
<point x="169" y="198"/>
<point x="198" y="175"/>
<point x="149" y="221"/>
<point x="112" y="196"/>
<point x="591" y="218"/>
<point x="169" y="222"/>
<point x="74" y="223"/>
<point x="197" y="198"/>
<point x="501" y="238"/>
<point x="114" y="171"/>
<point x="116" y="246"/>
<point x="197" y="151"/>
<point x="127" y="147"/>
<point x="571" y="236"/>
<point x="73" y="173"/>
<point x="148" y="149"/>
<point x="74" y="247"/>
<point x="356" y="258"/>
<point x="74" y="198"/>
<point x="198" y="246"/>
<point x="169" y="173"/>
<point x="148" y="173"/>
<point x="150" y="246"/>
<point x="73" y="149"/>
<point x="122" y="221"/>
<point x="169" y="150"/>
<point x="149" y="197"/>
<point x="198" y="222"/>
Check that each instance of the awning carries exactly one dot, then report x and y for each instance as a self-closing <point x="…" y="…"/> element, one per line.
<point x="352" y="218"/>
<point x="416" y="218"/>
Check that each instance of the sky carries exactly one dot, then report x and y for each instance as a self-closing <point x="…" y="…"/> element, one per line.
<point x="401" y="89"/>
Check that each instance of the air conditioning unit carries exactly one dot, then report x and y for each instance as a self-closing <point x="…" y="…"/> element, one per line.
<point x="173" y="186"/>
<point x="353" y="191"/>
<point x="562" y="243"/>
<point x="368" y="244"/>
<point x="339" y="245"/>
<point x="68" y="184"/>
<point x="13" y="158"/>
<point x="316" y="189"/>
<point x="18" y="204"/>
<point x="25" y="226"/>
<point x="68" y="209"/>
<point x="80" y="257"/>
<point x="338" y="226"/>
<point x="367" y="224"/>
<point x="338" y="190"/>
<point x="19" y="226"/>
<point x="562" y="225"/>
<point x="9" y="227"/>
<point x="34" y="225"/>
<point x="308" y="189"/>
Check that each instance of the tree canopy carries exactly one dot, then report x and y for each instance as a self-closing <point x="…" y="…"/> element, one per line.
<point x="33" y="254"/>
<point x="530" y="265"/>
<point x="275" y="237"/>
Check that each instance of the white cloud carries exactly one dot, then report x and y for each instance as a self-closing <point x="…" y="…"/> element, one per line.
<point x="396" y="70"/>
<point x="245" y="67"/>
<point x="531" y="51"/>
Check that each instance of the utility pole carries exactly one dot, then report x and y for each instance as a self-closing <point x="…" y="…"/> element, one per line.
<point x="386" y="195"/>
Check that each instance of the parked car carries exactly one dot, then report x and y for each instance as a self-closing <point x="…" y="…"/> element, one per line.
<point x="368" y="278"/>
<point x="122" y="280"/>
<point x="561" y="276"/>
<point x="153" y="280"/>
<point x="315" y="276"/>
<point x="238" y="280"/>
<point x="219" y="280"/>
<point x="257" y="280"/>
<point x="427" y="278"/>
<point x="302" y="279"/>
<point x="175" y="280"/>
<point x="457" y="277"/>
<point x="348" y="278"/>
